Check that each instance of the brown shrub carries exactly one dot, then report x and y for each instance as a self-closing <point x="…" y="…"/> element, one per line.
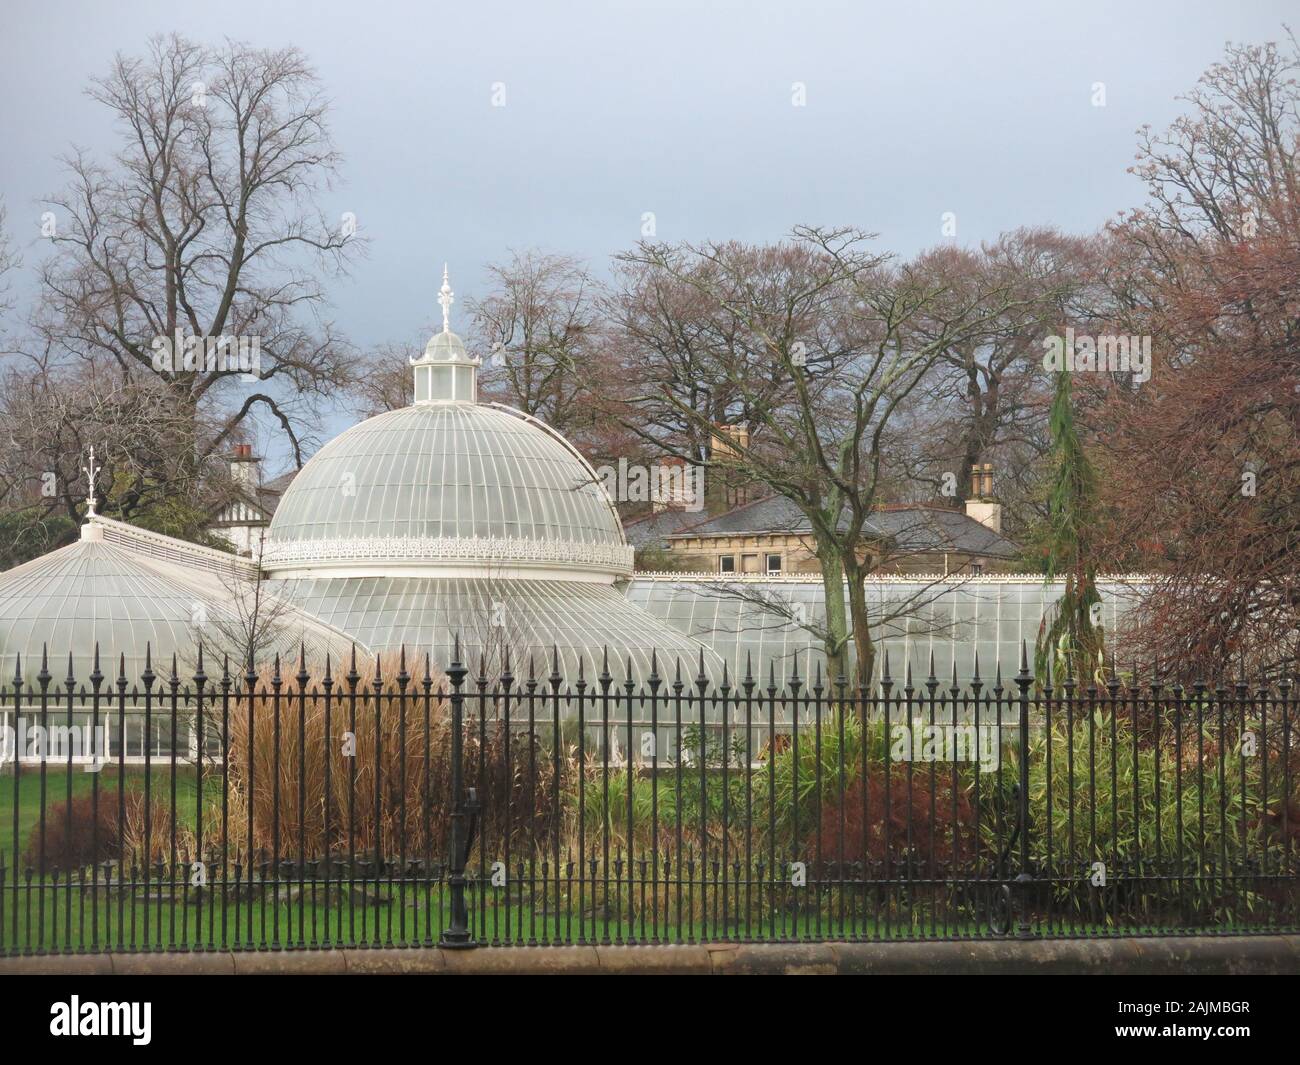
<point x="82" y="845"/>
<point x="68" y="848"/>
<point x="913" y="835"/>
<point x="367" y="784"/>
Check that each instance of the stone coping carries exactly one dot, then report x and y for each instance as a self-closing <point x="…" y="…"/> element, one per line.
<point x="1173" y="955"/>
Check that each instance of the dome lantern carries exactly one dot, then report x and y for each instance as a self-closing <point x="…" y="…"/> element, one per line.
<point x="446" y="372"/>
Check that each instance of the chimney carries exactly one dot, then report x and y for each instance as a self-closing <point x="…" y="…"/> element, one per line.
<point x="731" y="442"/>
<point x="243" y="467"/>
<point x="982" y="504"/>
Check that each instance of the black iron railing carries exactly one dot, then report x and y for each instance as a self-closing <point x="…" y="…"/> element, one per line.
<point x="385" y="806"/>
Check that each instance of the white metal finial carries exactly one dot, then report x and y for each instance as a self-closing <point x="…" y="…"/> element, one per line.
<point x="91" y="471"/>
<point x="446" y="299"/>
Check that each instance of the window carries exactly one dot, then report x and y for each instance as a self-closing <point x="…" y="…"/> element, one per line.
<point x="440" y="382"/>
<point x="726" y="563"/>
<point x="773" y="563"/>
<point x="977" y="568"/>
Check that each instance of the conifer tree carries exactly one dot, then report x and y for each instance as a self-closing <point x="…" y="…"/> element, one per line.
<point x="1070" y="635"/>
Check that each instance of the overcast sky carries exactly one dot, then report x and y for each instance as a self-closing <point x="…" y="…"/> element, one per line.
<point x="683" y="109"/>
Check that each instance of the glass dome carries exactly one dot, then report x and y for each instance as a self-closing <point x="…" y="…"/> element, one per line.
<point x="448" y="488"/>
<point x="97" y="592"/>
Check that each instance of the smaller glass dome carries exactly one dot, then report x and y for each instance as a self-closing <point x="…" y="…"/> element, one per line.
<point x="446" y="372"/>
<point x="446" y="347"/>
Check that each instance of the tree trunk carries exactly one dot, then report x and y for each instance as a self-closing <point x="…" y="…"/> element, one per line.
<point x="863" y="645"/>
<point x="836" y="639"/>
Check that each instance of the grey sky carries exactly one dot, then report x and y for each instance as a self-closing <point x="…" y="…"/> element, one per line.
<point x="683" y="109"/>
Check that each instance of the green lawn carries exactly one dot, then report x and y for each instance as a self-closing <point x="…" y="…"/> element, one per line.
<point x="105" y="921"/>
<point x="56" y="793"/>
<point x="52" y="917"/>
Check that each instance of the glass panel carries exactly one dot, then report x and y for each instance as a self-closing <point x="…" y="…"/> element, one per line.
<point x="442" y="382"/>
<point x="465" y="383"/>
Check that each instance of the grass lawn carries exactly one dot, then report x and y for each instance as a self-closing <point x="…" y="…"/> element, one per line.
<point x="60" y="920"/>
<point x="56" y="793"/>
<point x="57" y="917"/>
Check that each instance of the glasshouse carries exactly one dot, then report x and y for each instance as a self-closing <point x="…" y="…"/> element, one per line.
<point x="451" y="518"/>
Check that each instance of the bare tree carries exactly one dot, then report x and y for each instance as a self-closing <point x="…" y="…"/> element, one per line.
<point x="204" y="225"/>
<point x="986" y="398"/>
<point x="1200" y="465"/>
<point x="539" y="330"/>
<point x="51" y="416"/>
<point x="385" y="383"/>
<point x="9" y="260"/>
<point x="254" y="625"/>
<point x="822" y="350"/>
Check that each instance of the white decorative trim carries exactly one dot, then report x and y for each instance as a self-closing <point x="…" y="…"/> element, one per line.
<point x="491" y="551"/>
<point x="180" y="552"/>
<point x="813" y="577"/>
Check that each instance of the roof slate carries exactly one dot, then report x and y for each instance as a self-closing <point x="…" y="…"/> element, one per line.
<point x="910" y="528"/>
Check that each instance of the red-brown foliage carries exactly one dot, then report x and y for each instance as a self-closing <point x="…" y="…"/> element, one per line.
<point x="911" y="828"/>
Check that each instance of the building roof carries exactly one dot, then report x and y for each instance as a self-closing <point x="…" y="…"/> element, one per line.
<point x="458" y="484"/>
<point x="104" y="589"/>
<point x="765" y="623"/>
<point x="911" y="529"/>
<point x="653" y="530"/>
<point x="577" y="621"/>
